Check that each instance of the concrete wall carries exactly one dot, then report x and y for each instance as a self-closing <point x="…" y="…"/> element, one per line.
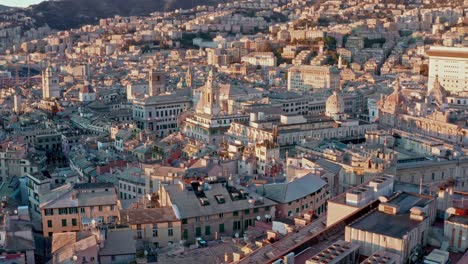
<point x="338" y="211"/>
<point x="457" y="234"/>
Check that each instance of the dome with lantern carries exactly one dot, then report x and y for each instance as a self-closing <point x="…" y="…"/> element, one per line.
<point x="394" y="103"/>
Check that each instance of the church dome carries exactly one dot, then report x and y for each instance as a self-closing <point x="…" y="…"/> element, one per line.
<point x="334" y="105"/>
<point x="86" y="88"/>
<point x="395" y="102"/>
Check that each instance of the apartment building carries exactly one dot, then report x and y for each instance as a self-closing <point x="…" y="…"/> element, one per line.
<point x="72" y="208"/>
<point x="265" y="59"/>
<point x="38" y="184"/>
<point x="216" y="209"/>
<point x="305" y="78"/>
<point x="158" y="226"/>
<point x="15" y="160"/>
<point x="45" y="139"/>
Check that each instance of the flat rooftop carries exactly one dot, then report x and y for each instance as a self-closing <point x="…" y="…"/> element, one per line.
<point x="397" y="225"/>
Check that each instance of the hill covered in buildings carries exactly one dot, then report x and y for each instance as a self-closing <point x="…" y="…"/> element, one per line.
<point x="66" y="14"/>
<point x="4" y="7"/>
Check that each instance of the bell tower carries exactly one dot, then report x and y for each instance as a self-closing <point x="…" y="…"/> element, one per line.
<point x="50" y="84"/>
<point x="157" y="83"/>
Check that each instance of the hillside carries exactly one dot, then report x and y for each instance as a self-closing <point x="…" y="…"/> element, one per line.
<point x="3" y="7"/>
<point x="66" y="14"/>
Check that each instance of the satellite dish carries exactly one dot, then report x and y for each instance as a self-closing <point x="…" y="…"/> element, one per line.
<point x="75" y="258"/>
<point x="258" y="218"/>
<point x="236" y="235"/>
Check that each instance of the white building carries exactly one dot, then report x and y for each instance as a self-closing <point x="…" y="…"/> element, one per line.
<point x="265" y="59"/>
<point x="160" y="113"/>
<point x="307" y="78"/>
<point x="451" y="67"/>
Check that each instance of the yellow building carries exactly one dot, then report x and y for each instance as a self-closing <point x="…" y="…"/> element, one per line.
<point x="78" y="207"/>
<point x="158" y="226"/>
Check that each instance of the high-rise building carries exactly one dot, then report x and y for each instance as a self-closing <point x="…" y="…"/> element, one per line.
<point x="450" y="66"/>
<point x="50" y="84"/>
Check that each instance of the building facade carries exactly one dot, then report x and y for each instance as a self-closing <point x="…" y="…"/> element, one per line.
<point x="159" y="114"/>
<point x="450" y="65"/>
<point x="75" y="208"/>
<point x="306" y="78"/>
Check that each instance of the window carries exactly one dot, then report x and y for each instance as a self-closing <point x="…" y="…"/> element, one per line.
<point x="113" y="258"/>
<point x="184" y="221"/>
<point x="74" y="222"/>
<point x="236" y="225"/>
<point x="62" y="211"/>
<point x="221" y="215"/>
<point x="221" y="228"/>
<point x="207" y="217"/>
<point x="247" y="211"/>
<point x="207" y="230"/>
<point x="49" y="211"/>
<point x="236" y="213"/>
<point x="185" y="234"/>
<point x="49" y="223"/>
<point x="255" y="210"/>
<point x="82" y="210"/>
<point x="64" y="222"/>
<point x="100" y="208"/>
<point x="112" y="208"/>
<point x="155" y="230"/>
<point x="198" y="231"/>
<point x="170" y="231"/>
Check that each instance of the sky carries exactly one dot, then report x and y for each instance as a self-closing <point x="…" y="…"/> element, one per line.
<point x="19" y="3"/>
